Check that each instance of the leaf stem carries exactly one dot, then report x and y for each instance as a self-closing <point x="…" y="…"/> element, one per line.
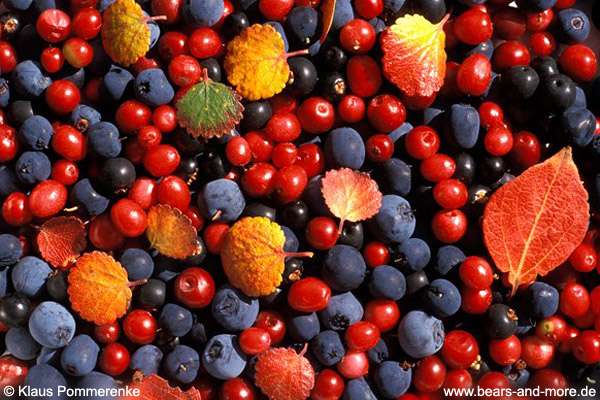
<point x="133" y="284"/>
<point x="156" y="18"/>
<point x="441" y="24"/>
<point x="296" y="53"/>
<point x="301" y="254"/>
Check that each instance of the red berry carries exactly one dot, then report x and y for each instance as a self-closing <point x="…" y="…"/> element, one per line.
<point x="254" y="341"/>
<point x="474" y="75"/>
<point x="132" y="115"/>
<point x="354" y="364"/>
<point x="15" y="209"/>
<point x="542" y="44"/>
<point x="194" y="214"/>
<point x="172" y="44"/>
<point x="578" y="62"/>
<point x="475" y="301"/>
<point x="509" y="54"/>
<point x="9" y="143"/>
<point x="161" y="160"/>
<point x="238" y="151"/>
<point x="128" y="217"/>
<point x="362" y="336"/>
<point x="509" y="23"/>
<point x="574" y="300"/>
<point x="379" y="148"/>
<point x="87" y="23"/>
<point x="144" y="192"/>
<point x="284" y="154"/>
<point x="505" y="351"/>
<point x="583" y="258"/>
<point x="538" y="22"/>
<point x="536" y="353"/>
<point x="258" y="181"/>
<point x="214" y="236"/>
<point x="328" y="385"/>
<point x="490" y="115"/>
<point x="364" y="76"/>
<point x="476" y="273"/>
<point x="103" y="233"/>
<point x="273" y="323"/>
<point x="311" y="159"/>
<point x="309" y="295"/>
<point x="321" y="233"/>
<point x="107" y="333"/>
<point x="316" y="115"/>
<point x="552" y="329"/>
<point x="12" y="371"/>
<point x="429" y="375"/>
<point x="8" y="57"/>
<point x="62" y="96"/>
<point x="493" y="380"/>
<point x="260" y="145"/>
<point x="460" y="349"/>
<point x="169" y="8"/>
<point x="283" y="127"/>
<point x="114" y="359"/>
<point x="450" y="193"/>
<point x="205" y="43"/>
<point x="438" y="167"/>
<point x="140" y="327"/>
<point x="149" y="137"/>
<point x="173" y="190"/>
<point x="586" y="347"/>
<point x="525" y="151"/>
<point x="47" y="198"/>
<point x="384" y="314"/>
<point x="235" y="389"/>
<point x="498" y="141"/>
<point x="275" y="9"/>
<point x="456" y="379"/>
<point x="473" y="27"/>
<point x="368" y="9"/>
<point x="422" y="142"/>
<point x="69" y="143"/>
<point x="78" y="52"/>
<point x="562" y="4"/>
<point x="65" y="172"/>
<point x="357" y="36"/>
<point x="52" y="59"/>
<point x="289" y="183"/>
<point x="376" y="254"/>
<point x="53" y="25"/>
<point x="184" y="70"/>
<point x="194" y="288"/>
<point x="386" y="113"/>
<point x="351" y="108"/>
<point x="552" y="380"/>
<point x="164" y="118"/>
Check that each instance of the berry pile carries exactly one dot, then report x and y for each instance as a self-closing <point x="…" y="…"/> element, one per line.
<point x="251" y="199"/>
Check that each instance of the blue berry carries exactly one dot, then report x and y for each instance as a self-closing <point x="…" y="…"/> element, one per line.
<point x="28" y="80"/>
<point x="10" y="250"/>
<point x="379" y="353"/>
<point x="447" y="258"/>
<point x="89" y="198"/>
<point x="4" y="93"/>
<point x="442" y="298"/>
<point x="387" y="283"/>
<point x="223" y="358"/>
<point x="573" y="25"/>
<point x="9" y="182"/>
<point x="541" y="300"/>
<point x="221" y="198"/>
<point x="48" y="356"/>
<point x="36" y="132"/>
<point x="43" y="381"/>
<point x="33" y="167"/>
<point x="314" y="196"/>
<point x="303" y="24"/>
<point x="176" y="320"/>
<point x="138" y="263"/>
<point x="153" y="88"/>
<point x="343" y="268"/>
<point x="84" y="116"/>
<point x="146" y="359"/>
<point x="103" y="139"/>
<point x="517" y="376"/>
<point x="343" y="14"/>
<point x="394" y="176"/>
<point x="4" y="281"/>
<point x="413" y="254"/>
<point x="344" y="147"/>
<point x="420" y="335"/>
<point x="97" y="380"/>
<point x="304" y="326"/>
<point x="80" y="356"/>
<point x="392" y="379"/>
<point x="20" y="5"/>
<point x="291" y="240"/>
<point x="51" y="325"/>
<point x="358" y="389"/>
<point x="486" y="48"/>
<point x="400" y="131"/>
<point x="182" y="364"/>
<point x="117" y="83"/>
<point x="580" y="98"/>
<point x="462" y="125"/>
<point x="233" y="310"/>
<point x="579" y="125"/>
<point x="328" y="348"/>
<point x="342" y="311"/>
<point x="154" y="31"/>
<point x="202" y="13"/>
<point x="21" y="344"/>
<point x="29" y="276"/>
<point x="395" y="221"/>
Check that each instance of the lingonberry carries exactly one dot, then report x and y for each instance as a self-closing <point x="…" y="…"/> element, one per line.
<point x="460" y="349"/>
<point x="550" y="381"/>
<point x="214" y="236"/>
<point x="134" y="152"/>
<point x="114" y="359"/>
<point x="578" y="62"/>
<point x="107" y="333"/>
<point x="474" y="75"/>
<point x="422" y="142"/>
<point x="552" y="329"/>
<point x="316" y="115"/>
<point x="357" y="36"/>
<point x="328" y="385"/>
<point x="161" y="160"/>
<point x="258" y="181"/>
<point x="9" y="143"/>
<point x="586" y="347"/>
<point x="562" y="4"/>
<point x="526" y="150"/>
<point x="540" y="21"/>
<point x="289" y="183"/>
<point x="361" y="336"/>
<point x="52" y="59"/>
<point x="455" y="379"/>
<point x="505" y="351"/>
<point x="583" y="258"/>
<point x="47" y="198"/>
<point x="498" y="141"/>
<point x="351" y="108"/>
<point x="354" y="364"/>
<point x="87" y="23"/>
<point x="309" y="295"/>
<point x="321" y="233"/>
<point x="376" y="254"/>
<point x="238" y="151"/>
<point x="474" y="301"/>
<point x="12" y="371"/>
<point x="172" y="44"/>
<point x="364" y="76"/>
<point x="311" y="159"/>
<point x="438" y="167"/>
<point x="164" y="118"/>
<point x="386" y="113"/>
<point x="283" y="127"/>
<point x="368" y="9"/>
<point x="15" y="209"/>
<point x="194" y="288"/>
<point x="144" y="192"/>
<point x="184" y="70"/>
<point x="255" y="341"/>
<point x="384" y="314"/>
<point x="429" y="376"/>
<point x="169" y="8"/>
<point x="62" y="96"/>
<point x="78" y="52"/>
<point x="284" y="154"/>
<point x="65" y="172"/>
<point x="490" y="115"/>
<point x="273" y="323"/>
<point x="69" y="143"/>
<point x="132" y="115"/>
<point x="536" y="353"/>
<point x="493" y="380"/>
<point x="236" y="389"/>
<point x="204" y="43"/>
<point x="140" y="327"/>
<point x="509" y="23"/>
<point x="8" y="57"/>
<point x="379" y="148"/>
<point x="148" y="137"/>
<point x="53" y="25"/>
<point x="194" y="214"/>
<point x="128" y="217"/>
<point x="173" y="190"/>
<point x="473" y="27"/>
<point x="476" y="273"/>
<point x="275" y="9"/>
<point x="542" y="44"/>
<point x="574" y="300"/>
<point x="103" y="233"/>
<point x="450" y="193"/>
<point x="509" y="54"/>
<point x="260" y="145"/>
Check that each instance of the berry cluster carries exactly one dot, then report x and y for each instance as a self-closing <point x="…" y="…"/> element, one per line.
<point x="398" y="306"/>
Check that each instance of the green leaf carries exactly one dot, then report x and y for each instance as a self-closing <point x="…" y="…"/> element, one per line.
<point x="209" y="109"/>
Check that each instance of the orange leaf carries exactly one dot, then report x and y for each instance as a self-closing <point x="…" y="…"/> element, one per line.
<point x="61" y="239"/>
<point x="328" y="10"/>
<point x="252" y="255"/>
<point x="283" y="374"/>
<point x="125" y="35"/>
<point x="351" y="195"/>
<point x="414" y="55"/>
<point x="154" y="387"/>
<point x="256" y="62"/>
<point x="171" y="233"/>
<point x="534" y="222"/>
<point x="98" y="288"/>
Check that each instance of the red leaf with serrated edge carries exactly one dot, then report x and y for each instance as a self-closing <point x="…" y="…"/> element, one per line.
<point x="154" y="387"/>
<point x="328" y="10"/>
<point x="61" y="240"/>
<point x="283" y="374"/>
<point x="533" y="223"/>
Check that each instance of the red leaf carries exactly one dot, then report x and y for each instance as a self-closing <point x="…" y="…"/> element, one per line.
<point x="154" y="387"/>
<point x="533" y="223"/>
<point x="283" y="374"/>
<point x="328" y="10"/>
<point x="61" y="239"/>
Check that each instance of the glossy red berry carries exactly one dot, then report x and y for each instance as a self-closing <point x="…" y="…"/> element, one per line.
<point x="498" y="141"/>
<point x="429" y="376"/>
<point x="351" y="108"/>
<point x="509" y="23"/>
<point x="379" y="148"/>
<point x="8" y="57"/>
<point x="536" y="353"/>
<point x="103" y="233"/>
<point x="53" y="25"/>
<point x="473" y="27"/>
<point x="509" y="54"/>
<point x="538" y="22"/>
<point x="69" y="143"/>
<point x="450" y="193"/>
<point x="574" y="300"/>
<point x="238" y="151"/>
<point x="552" y="329"/>
<point x="283" y="127"/>
<point x="78" y="52"/>
<point x="275" y="9"/>
<point x="254" y="341"/>
<point x="376" y="254"/>
<point x="357" y="36"/>
<point x="368" y="9"/>
<point x="52" y="59"/>
<point x="311" y="158"/>
<point x="505" y="351"/>
<point x="542" y="44"/>
<point x="194" y="288"/>
<point x="172" y="44"/>
<point x="184" y="70"/>
<point x="161" y="160"/>
<point x="386" y="113"/>
<point x="62" y="96"/>
<point x="384" y="314"/>
<point x="578" y="62"/>
<point x="128" y="217"/>
<point x="354" y="364"/>
<point x="236" y="389"/>
<point x="474" y="75"/>
<point x="289" y="183"/>
<point x="87" y="23"/>
<point x="526" y="150"/>
<point x="438" y="167"/>
<point x="214" y="236"/>
<point x="316" y="115"/>
<point x="114" y="359"/>
<point x="309" y="295"/>
<point x="460" y="349"/>
<point x="173" y="190"/>
<point x="584" y="258"/>
<point x="321" y="233"/>
<point x="12" y="371"/>
<point x="107" y="333"/>
<point x="15" y="209"/>
<point x="9" y="143"/>
<point x="140" y="327"/>
<point x="204" y="43"/>
<point x="476" y="273"/>
<point x="273" y="323"/>
<point x="586" y="347"/>
<point x="47" y="198"/>
<point x="284" y="154"/>
<point x="328" y="385"/>
<point x="65" y="172"/>
<point x="475" y="301"/>
<point x="490" y="115"/>
<point x="258" y="181"/>
<point x="144" y="192"/>
<point x="132" y="115"/>
<point x="422" y="142"/>
<point x="364" y="76"/>
<point x="361" y="336"/>
<point x="164" y="118"/>
<point x="260" y="145"/>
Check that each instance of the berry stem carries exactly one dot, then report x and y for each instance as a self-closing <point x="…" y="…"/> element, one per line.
<point x="156" y="18"/>
<point x="217" y="214"/>
<point x="296" y="53"/>
<point x="300" y="254"/>
<point x="133" y="284"/>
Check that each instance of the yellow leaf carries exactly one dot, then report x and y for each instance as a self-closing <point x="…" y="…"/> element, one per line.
<point x="125" y="35"/>
<point x="256" y="62"/>
<point x="98" y="288"/>
<point x="252" y="255"/>
<point x="170" y="232"/>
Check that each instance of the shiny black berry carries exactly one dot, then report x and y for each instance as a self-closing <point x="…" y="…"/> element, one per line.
<point x="294" y="214"/>
<point x="303" y="76"/>
<point x="256" y="115"/>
